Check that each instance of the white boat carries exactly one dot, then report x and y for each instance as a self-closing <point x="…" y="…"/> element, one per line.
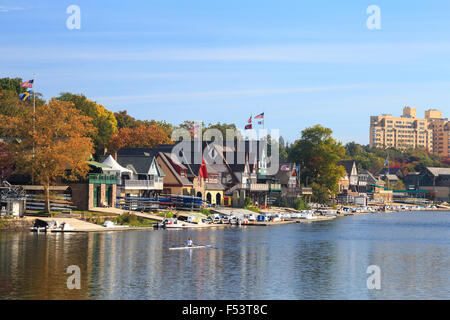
<point x="307" y="214"/>
<point x="189" y="247"/>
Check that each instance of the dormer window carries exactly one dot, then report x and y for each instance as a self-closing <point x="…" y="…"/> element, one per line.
<point x="213" y="178"/>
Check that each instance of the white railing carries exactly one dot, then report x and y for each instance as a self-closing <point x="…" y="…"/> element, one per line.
<point x="138" y="184"/>
<point x="259" y="187"/>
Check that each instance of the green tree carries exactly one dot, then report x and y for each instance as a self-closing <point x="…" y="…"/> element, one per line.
<point x="124" y="120"/>
<point x="102" y="119"/>
<point x="317" y="153"/>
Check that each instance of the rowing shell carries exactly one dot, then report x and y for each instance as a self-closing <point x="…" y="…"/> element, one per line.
<point x="187" y="247"/>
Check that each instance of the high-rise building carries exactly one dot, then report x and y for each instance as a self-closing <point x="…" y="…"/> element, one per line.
<point x="441" y="132"/>
<point x="404" y="132"/>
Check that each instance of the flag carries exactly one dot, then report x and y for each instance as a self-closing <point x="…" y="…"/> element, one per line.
<point x="248" y="126"/>
<point x="24" y="96"/>
<point x="260" y="116"/>
<point x="261" y="122"/>
<point x="202" y="172"/>
<point x="27" y="84"/>
<point x="386" y="163"/>
<point x="285" y="167"/>
<point x="249" y="120"/>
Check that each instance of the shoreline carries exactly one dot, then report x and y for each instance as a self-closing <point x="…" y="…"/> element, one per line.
<point x="24" y="223"/>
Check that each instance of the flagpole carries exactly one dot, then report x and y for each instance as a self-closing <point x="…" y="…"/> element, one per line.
<point x="34" y="120"/>
<point x="34" y="105"/>
<point x="388" y="169"/>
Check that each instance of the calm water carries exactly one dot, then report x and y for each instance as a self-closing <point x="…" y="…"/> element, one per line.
<point x="326" y="260"/>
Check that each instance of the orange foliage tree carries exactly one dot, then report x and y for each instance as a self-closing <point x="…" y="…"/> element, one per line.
<point x="139" y="137"/>
<point x="57" y="148"/>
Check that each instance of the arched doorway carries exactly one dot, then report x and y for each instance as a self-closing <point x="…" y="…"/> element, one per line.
<point x="218" y="199"/>
<point x="208" y="198"/>
<point x="199" y="195"/>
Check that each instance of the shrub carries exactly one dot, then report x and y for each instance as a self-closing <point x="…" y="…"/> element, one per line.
<point x="300" y="204"/>
<point x="248" y="201"/>
<point x="252" y="208"/>
<point x="206" y="212"/>
<point x="126" y="218"/>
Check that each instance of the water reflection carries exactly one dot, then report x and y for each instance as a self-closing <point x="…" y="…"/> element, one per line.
<point x="304" y="261"/>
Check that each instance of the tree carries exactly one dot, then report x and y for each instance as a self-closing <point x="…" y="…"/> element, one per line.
<point x="139" y="137"/>
<point x="103" y="119"/>
<point x="124" y="120"/>
<point x="10" y="104"/>
<point x="317" y="153"/>
<point x="58" y="148"/>
<point x="6" y="162"/>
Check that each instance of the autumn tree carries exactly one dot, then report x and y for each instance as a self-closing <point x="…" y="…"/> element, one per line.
<point x="317" y="154"/>
<point x="6" y="162"/>
<point x="139" y="137"/>
<point x="103" y="119"/>
<point x="57" y="148"/>
<point x="10" y="104"/>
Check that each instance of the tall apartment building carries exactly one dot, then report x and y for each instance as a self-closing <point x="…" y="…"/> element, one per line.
<point x="441" y="132"/>
<point x="404" y="132"/>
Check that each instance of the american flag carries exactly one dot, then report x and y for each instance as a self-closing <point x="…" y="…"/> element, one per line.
<point x="285" y="167"/>
<point x="260" y="116"/>
<point x="27" y="84"/>
<point x="249" y="120"/>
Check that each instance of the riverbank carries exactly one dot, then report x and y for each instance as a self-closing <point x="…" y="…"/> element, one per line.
<point x="20" y="224"/>
<point x="92" y="221"/>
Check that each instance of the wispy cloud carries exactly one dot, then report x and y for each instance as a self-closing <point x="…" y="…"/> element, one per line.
<point x="308" y="53"/>
<point x="9" y="8"/>
<point x="225" y="94"/>
<point x="170" y="97"/>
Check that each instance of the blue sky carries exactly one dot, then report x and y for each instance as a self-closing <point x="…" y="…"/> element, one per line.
<point x="300" y="62"/>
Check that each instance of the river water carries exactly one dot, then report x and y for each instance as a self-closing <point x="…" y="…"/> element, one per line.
<point x="321" y="260"/>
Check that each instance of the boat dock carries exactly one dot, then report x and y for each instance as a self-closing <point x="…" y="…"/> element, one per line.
<point x="83" y="226"/>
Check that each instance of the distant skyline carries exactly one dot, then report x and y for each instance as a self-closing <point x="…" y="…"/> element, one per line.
<point x="300" y="63"/>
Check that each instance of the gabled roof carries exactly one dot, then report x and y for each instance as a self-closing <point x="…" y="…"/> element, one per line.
<point x="165" y="157"/>
<point x="368" y="173"/>
<point x="215" y="186"/>
<point x="390" y="171"/>
<point x="139" y="164"/>
<point x="390" y="177"/>
<point x="439" y="171"/>
<point x="348" y="165"/>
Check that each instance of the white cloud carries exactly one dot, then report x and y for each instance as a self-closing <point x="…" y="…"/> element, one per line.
<point x="7" y="9"/>
<point x="308" y="53"/>
<point x="229" y="93"/>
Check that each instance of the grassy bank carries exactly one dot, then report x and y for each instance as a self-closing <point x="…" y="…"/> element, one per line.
<point x="8" y="223"/>
<point x="132" y="221"/>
